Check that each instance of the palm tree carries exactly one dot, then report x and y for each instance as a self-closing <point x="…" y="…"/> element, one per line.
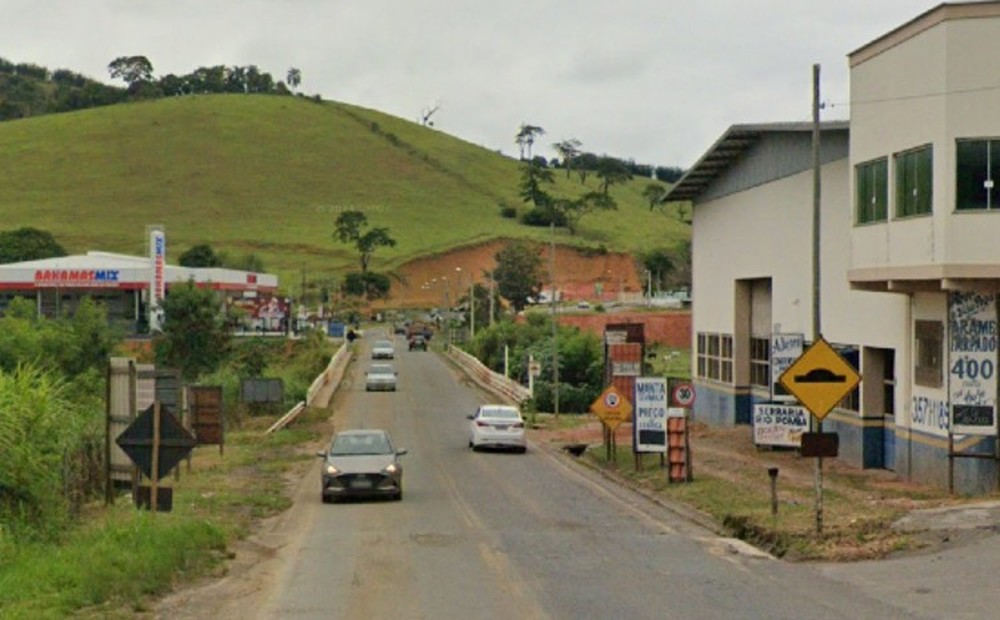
<point x="525" y="137"/>
<point x="294" y="78"/>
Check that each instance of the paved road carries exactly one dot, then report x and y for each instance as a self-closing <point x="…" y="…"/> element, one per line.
<point x="485" y="535"/>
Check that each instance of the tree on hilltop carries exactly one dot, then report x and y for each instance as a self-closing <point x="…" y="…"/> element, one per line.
<point x="294" y="78"/>
<point x="568" y="150"/>
<point x="133" y="70"/>
<point x="525" y="137"/>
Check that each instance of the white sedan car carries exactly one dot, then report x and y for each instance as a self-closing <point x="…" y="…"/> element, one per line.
<point x="383" y="350"/>
<point x="380" y="378"/>
<point x="497" y="426"/>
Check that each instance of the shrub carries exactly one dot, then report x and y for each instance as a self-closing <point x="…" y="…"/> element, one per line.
<point x="508" y="212"/>
<point x="542" y="217"/>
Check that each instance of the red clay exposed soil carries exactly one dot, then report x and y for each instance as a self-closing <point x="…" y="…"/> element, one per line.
<point x="431" y="281"/>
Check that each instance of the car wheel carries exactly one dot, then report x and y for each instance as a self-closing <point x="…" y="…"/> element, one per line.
<point x="522" y="449"/>
<point x="398" y="496"/>
<point x="326" y="500"/>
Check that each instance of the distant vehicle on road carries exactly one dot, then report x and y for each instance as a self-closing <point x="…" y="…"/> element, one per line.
<point x="418" y="343"/>
<point x="383" y="350"/>
<point x="361" y="463"/>
<point x="380" y="378"/>
<point x="583" y="305"/>
<point x="497" y="426"/>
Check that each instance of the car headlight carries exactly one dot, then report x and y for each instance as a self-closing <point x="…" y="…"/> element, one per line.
<point x="330" y="470"/>
<point x="391" y="468"/>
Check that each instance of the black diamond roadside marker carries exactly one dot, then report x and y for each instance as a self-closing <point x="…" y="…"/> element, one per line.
<point x="137" y="442"/>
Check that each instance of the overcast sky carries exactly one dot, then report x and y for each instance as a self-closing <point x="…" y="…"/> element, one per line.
<point x="654" y="80"/>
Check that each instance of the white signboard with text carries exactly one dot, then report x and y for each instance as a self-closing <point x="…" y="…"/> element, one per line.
<point x="650" y="414"/>
<point x="785" y="349"/>
<point x="972" y="363"/>
<point x="778" y="424"/>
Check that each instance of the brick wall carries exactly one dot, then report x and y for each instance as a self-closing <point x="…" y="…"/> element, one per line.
<point x="672" y="329"/>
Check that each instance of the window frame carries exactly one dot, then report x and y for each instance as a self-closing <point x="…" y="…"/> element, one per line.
<point x="914" y="172"/>
<point x="715" y="356"/>
<point x="760" y="362"/>
<point x="871" y="191"/>
<point x="966" y="198"/>
<point x="928" y="353"/>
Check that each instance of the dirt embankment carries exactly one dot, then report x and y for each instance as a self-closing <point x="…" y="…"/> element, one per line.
<point x="435" y="281"/>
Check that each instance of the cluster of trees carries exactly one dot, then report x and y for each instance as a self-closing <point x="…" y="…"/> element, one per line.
<point x="582" y="163"/>
<point x="137" y="73"/>
<point x="27" y="243"/>
<point x="581" y="359"/>
<point x="32" y="90"/>
<point x="537" y="175"/>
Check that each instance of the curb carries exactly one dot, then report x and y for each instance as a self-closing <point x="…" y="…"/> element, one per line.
<point x="682" y="510"/>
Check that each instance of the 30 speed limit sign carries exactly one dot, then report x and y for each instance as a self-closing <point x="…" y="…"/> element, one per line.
<point x="682" y="394"/>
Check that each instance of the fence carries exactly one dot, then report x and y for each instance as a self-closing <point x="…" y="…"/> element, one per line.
<point x="488" y="379"/>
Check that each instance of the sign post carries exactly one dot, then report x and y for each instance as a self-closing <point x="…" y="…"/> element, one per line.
<point x="820" y="379"/>
<point x="613" y="409"/>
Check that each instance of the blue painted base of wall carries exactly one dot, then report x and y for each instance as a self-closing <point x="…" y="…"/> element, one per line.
<point x="922" y="459"/>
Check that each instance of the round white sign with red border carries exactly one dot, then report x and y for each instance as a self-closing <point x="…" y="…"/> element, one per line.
<point x="683" y="394"/>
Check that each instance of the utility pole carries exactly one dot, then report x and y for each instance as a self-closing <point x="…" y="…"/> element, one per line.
<point x="816" y="316"/>
<point x="555" y="326"/>
<point x="491" y="299"/>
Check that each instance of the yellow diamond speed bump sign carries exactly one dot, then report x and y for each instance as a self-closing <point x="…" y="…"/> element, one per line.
<point x="612" y="407"/>
<point x="820" y="378"/>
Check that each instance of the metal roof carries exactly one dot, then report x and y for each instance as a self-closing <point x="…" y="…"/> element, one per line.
<point x="728" y="149"/>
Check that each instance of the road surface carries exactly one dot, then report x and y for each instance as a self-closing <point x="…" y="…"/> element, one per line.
<point x="497" y="535"/>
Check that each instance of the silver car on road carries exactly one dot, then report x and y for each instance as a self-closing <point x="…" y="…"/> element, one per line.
<point x="364" y="463"/>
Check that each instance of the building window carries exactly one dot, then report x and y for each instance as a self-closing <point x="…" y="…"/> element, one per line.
<point x="977" y="168"/>
<point x="929" y="337"/>
<point x="871" y="182"/>
<point x="851" y="402"/>
<point x="760" y="362"/>
<point x="913" y="182"/>
<point x="715" y="356"/>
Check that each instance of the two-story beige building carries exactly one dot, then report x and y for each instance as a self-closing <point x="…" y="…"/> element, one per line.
<point x="909" y="253"/>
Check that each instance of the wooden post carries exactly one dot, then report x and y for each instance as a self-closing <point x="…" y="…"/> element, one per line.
<point x="156" y="458"/>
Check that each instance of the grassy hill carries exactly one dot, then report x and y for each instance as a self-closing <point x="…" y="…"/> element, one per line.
<point x="269" y="175"/>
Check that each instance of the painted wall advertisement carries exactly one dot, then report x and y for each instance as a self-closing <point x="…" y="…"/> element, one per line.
<point x="972" y="363"/>
<point x="650" y="412"/>
<point x="776" y="424"/>
<point x="785" y="349"/>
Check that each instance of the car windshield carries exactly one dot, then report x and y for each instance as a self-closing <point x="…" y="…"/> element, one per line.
<point x="383" y="344"/>
<point x="357" y="444"/>
<point x="506" y="413"/>
<point x="381" y="369"/>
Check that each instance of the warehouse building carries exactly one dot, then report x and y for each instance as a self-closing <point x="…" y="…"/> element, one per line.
<point x="909" y="263"/>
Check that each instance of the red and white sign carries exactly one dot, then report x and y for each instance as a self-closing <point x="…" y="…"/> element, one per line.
<point x="682" y="394"/>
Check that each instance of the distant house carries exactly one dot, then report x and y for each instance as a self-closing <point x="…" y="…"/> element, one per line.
<point x="910" y="263"/>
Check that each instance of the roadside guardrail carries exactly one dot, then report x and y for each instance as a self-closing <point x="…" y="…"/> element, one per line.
<point x="495" y="382"/>
<point x="333" y="373"/>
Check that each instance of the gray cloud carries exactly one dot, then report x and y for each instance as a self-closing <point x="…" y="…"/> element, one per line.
<point x="654" y="80"/>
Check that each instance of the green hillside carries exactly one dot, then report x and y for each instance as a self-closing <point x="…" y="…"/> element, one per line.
<point x="269" y="175"/>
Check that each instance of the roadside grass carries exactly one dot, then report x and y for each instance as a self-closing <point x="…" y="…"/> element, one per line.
<point x="120" y="559"/>
<point x="856" y="517"/>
